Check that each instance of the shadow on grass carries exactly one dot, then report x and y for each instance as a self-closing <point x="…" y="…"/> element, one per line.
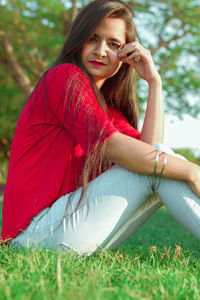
<point x="161" y="230"/>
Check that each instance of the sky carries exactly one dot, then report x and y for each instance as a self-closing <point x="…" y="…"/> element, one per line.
<point x="182" y="134"/>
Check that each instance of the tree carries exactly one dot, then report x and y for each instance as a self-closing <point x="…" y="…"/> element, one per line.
<point x="171" y="30"/>
<point x="32" y="33"/>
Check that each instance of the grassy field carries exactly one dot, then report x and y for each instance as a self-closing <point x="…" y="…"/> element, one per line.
<point x="161" y="261"/>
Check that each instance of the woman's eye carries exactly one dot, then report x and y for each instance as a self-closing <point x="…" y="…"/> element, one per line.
<point x="114" y="45"/>
<point x="92" y="39"/>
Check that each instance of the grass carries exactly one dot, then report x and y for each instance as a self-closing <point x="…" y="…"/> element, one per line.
<point x="161" y="261"/>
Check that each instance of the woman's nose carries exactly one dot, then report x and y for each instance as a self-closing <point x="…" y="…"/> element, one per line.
<point x="101" y="49"/>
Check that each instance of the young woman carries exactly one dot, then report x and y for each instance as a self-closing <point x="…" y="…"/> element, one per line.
<point x="80" y="173"/>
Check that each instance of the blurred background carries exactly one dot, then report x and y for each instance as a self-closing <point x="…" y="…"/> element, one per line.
<point x="31" y="37"/>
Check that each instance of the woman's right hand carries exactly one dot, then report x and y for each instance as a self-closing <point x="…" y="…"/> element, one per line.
<point x="145" y="66"/>
<point x="194" y="181"/>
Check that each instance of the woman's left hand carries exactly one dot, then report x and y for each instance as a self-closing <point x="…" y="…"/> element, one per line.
<point x="145" y="67"/>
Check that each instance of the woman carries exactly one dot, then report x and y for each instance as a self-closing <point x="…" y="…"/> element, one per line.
<point x="63" y="190"/>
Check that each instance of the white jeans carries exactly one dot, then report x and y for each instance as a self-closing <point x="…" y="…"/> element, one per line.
<point x="119" y="203"/>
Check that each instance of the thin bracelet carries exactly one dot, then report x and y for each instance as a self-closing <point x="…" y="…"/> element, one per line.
<point x="164" y="164"/>
<point x="157" y="178"/>
<point x="156" y="162"/>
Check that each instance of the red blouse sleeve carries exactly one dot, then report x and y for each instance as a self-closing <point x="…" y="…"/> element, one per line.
<point x="74" y="105"/>
<point x="121" y="124"/>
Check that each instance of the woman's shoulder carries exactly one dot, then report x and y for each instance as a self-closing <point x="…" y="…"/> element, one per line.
<point x="68" y="77"/>
<point x="67" y="69"/>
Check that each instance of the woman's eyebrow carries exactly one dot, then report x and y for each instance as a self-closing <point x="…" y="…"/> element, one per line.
<point x="116" y="40"/>
<point x="110" y="38"/>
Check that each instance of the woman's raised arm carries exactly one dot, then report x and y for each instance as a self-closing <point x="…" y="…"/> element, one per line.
<point x="153" y="126"/>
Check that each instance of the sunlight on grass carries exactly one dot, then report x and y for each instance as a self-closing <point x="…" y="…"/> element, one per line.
<point x="161" y="261"/>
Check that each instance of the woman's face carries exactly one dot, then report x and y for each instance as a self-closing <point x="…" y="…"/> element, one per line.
<point x="100" y="51"/>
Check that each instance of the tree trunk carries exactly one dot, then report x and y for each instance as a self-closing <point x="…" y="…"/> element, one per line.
<point x="22" y="80"/>
<point x="74" y="9"/>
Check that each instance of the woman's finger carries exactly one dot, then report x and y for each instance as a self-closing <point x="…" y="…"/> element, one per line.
<point x="131" y="51"/>
<point x="133" y="57"/>
<point x="127" y="50"/>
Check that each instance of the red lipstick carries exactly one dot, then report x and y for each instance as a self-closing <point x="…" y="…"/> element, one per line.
<point x="97" y="63"/>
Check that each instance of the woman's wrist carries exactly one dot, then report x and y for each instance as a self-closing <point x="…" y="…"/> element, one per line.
<point x="194" y="179"/>
<point x="156" y="81"/>
<point x="193" y="172"/>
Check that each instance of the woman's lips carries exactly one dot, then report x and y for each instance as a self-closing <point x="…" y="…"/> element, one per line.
<point x="97" y="63"/>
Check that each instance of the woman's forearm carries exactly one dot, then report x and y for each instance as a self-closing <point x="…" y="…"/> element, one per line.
<point x="153" y="126"/>
<point x="139" y="157"/>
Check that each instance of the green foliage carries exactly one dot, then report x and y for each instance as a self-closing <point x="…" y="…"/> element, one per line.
<point x="171" y="30"/>
<point x="161" y="261"/>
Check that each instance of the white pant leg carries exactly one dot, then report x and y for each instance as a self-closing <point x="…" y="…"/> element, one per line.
<point x="142" y="214"/>
<point x="181" y="203"/>
<point x="180" y="200"/>
<point x="114" y="197"/>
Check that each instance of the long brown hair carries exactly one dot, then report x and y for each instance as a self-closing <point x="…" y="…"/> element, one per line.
<point x="118" y="91"/>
